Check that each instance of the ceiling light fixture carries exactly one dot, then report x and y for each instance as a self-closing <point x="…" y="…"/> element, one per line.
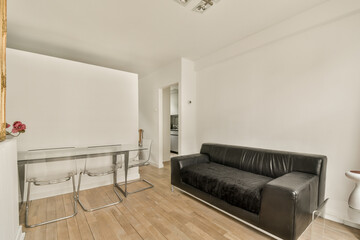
<point x="203" y="6"/>
<point x="183" y="2"/>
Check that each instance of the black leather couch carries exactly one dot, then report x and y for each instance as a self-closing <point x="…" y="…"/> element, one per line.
<point x="274" y="190"/>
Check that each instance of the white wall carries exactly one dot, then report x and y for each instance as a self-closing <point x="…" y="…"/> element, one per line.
<point x="298" y="93"/>
<point x="9" y="207"/>
<point x="70" y="103"/>
<point x="150" y="101"/>
<point x="67" y="103"/>
<point x="187" y="106"/>
<point x="166" y="123"/>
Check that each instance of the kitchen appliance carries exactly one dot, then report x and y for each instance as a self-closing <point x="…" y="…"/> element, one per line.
<point x="174" y="141"/>
<point x="174" y="122"/>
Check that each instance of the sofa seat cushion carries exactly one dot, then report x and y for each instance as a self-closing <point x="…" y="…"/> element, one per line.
<point x="236" y="187"/>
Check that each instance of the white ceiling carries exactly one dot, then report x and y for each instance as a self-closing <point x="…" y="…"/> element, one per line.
<point x="138" y="35"/>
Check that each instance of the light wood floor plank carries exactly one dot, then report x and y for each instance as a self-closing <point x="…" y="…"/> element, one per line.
<point x="74" y="232"/>
<point x="51" y="229"/>
<point x="142" y="227"/>
<point x="83" y="225"/>
<point x="62" y="229"/>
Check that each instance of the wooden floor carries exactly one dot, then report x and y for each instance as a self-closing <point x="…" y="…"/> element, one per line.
<point x="156" y="214"/>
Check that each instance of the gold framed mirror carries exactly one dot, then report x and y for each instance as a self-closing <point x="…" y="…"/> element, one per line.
<point x="3" y="19"/>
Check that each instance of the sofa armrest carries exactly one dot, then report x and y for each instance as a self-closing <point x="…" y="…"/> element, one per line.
<point x="287" y="203"/>
<point x="177" y="163"/>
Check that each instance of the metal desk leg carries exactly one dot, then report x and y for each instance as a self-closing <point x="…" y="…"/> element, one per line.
<point x="115" y="172"/>
<point x="126" y="171"/>
<point x="126" y="168"/>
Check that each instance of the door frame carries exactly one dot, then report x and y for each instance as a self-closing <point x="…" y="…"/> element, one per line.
<point x="161" y="122"/>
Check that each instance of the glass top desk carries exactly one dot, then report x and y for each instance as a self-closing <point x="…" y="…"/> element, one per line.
<point x="72" y="154"/>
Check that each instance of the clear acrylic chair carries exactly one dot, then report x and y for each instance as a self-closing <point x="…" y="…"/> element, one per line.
<point x="50" y="172"/>
<point x="95" y="168"/>
<point x="137" y="159"/>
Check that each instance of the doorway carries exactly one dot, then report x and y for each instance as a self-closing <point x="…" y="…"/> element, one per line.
<point x="174" y="121"/>
<point x="169" y="123"/>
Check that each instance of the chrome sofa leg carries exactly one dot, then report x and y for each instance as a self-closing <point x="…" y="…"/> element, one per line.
<point x="172" y="188"/>
<point x="319" y="211"/>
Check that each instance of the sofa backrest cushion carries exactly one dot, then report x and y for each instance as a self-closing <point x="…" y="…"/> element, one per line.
<point x="270" y="163"/>
<point x="265" y="162"/>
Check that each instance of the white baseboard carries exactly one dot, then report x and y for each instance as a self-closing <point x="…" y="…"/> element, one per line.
<point x="158" y="165"/>
<point x="20" y="235"/>
<point x="339" y="211"/>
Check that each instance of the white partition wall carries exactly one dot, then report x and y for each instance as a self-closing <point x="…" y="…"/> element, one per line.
<point x="300" y="93"/>
<point x="66" y="103"/>
<point x="179" y="72"/>
<point x="9" y="208"/>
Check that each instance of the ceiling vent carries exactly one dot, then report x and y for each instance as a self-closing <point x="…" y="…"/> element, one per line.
<point x="201" y="7"/>
<point x="183" y="2"/>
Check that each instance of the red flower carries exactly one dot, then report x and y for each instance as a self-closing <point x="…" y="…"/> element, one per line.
<point x="7" y="125"/>
<point x="18" y="127"/>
